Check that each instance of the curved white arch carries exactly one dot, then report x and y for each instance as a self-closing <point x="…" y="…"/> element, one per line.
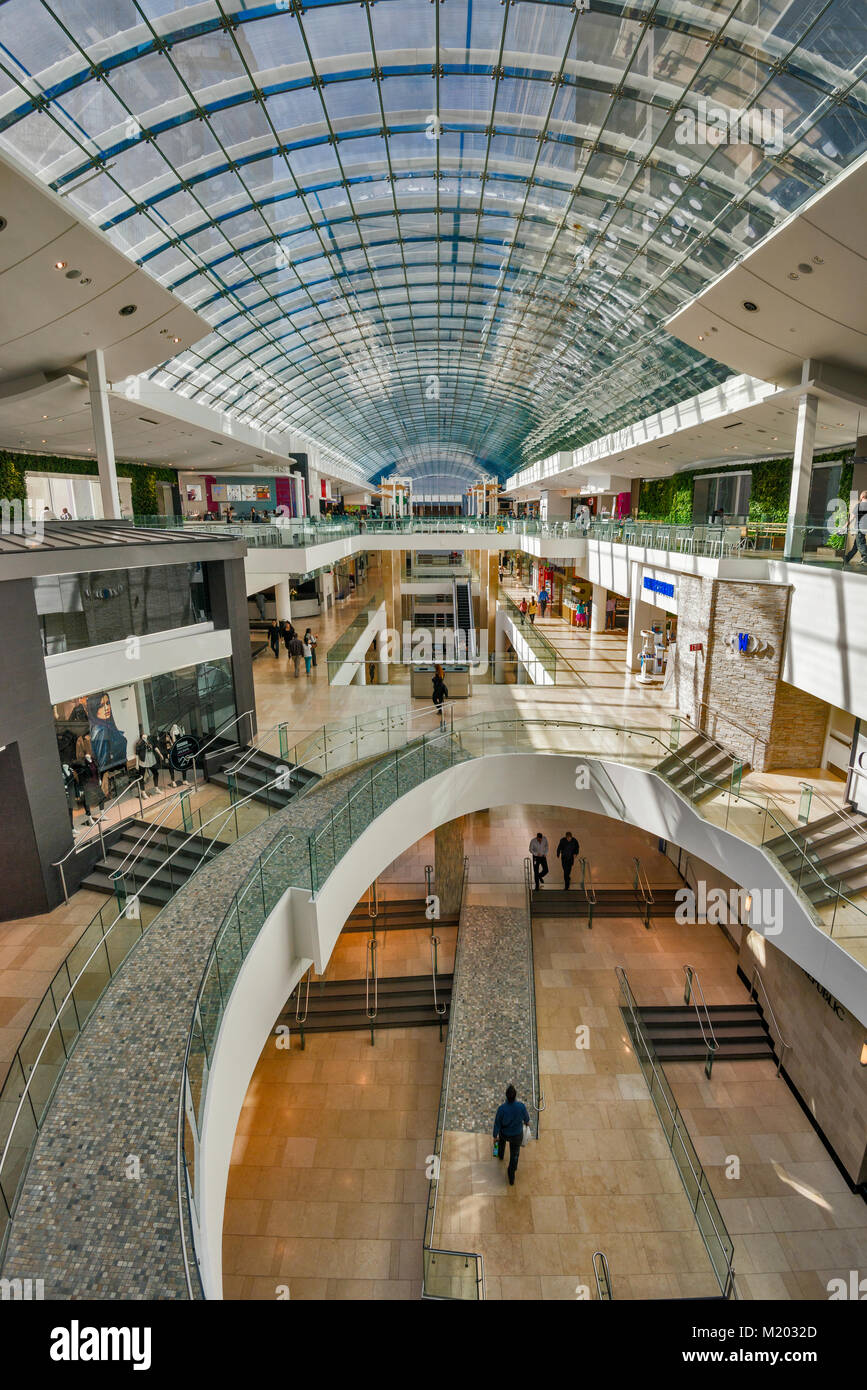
<point x="302" y="930"/>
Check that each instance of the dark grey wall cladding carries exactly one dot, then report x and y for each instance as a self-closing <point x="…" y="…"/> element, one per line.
<point x="26" y="719"/>
<point x="81" y="1224"/>
<point x="491" y="1018"/>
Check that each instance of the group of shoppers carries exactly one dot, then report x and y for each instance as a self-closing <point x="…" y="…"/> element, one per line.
<point x="153" y="755"/>
<point x="567" y="852"/>
<point x="530" y="607"/>
<point x="298" y="649"/>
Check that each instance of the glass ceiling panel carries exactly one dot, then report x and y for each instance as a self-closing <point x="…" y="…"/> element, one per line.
<point x="358" y="196"/>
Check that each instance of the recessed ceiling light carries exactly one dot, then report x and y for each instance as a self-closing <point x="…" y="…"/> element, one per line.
<point x="85" y="280"/>
<point x="750" y="307"/>
<point x="73" y="274"/>
<point x="60" y="265"/>
<point x="793" y="275"/>
<point x="127" y="310"/>
<point x="818" y="260"/>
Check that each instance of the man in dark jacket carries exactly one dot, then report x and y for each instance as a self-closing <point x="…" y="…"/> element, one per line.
<point x="509" y="1124"/>
<point x="295" y="648"/>
<point x="567" y="853"/>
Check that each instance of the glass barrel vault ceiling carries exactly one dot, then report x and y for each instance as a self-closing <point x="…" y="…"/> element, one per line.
<point x="432" y="231"/>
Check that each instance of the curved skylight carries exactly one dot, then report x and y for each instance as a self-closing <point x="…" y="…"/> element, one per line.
<point x="435" y="229"/>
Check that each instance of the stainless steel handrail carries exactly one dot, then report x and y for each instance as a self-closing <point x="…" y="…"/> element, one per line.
<point x="85" y="840"/>
<point x="692" y="979"/>
<point x="662" y="1089"/>
<point x="538" y="1099"/>
<point x="440" y="1009"/>
<point x="757" y="979"/>
<point x="602" y="1275"/>
<point x="642" y="884"/>
<point x="247" y="714"/>
<point x="842" y="811"/>
<point x="299" y="1016"/>
<point x="149" y="831"/>
<point x="587" y="881"/>
<point x="711" y="738"/>
<point x="373" y="977"/>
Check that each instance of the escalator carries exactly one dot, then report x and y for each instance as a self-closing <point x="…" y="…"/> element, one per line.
<point x="463" y="601"/>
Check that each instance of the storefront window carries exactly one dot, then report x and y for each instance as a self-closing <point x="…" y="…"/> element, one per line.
<point x="97" y="733"/>
<point x="85" y="610"/>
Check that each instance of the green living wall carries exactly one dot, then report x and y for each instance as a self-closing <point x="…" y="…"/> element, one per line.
<point x="670" y="499"/>
<point x="143" y="478"/>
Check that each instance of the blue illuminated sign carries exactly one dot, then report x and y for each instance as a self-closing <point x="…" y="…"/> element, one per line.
<point x="658" y="586"/>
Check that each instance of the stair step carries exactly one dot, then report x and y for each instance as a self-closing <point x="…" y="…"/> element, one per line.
<point x="726" y="1052"/>
<point x="418" y="1018"/>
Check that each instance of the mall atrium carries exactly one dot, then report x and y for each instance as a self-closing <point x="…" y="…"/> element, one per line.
<point x="433" y="469"/>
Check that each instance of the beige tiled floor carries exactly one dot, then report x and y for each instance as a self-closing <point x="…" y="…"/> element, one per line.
<point x="601" y="1175"/>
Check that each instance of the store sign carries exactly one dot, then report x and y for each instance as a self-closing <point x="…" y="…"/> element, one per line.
<point x="659" y="586"/>
<point x="182" y="751"/>
<point x="829" y="999"/>
<point x="746" y="644"/>
<point x="696" y="646"/>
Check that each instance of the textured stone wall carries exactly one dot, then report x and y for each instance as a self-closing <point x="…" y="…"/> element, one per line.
<point x="694" y="611"/>
<point x="449" y="864"/>
<point x="743" y="694"/>
<point x="823" y="1057"/>
<point x="798" y="732"/>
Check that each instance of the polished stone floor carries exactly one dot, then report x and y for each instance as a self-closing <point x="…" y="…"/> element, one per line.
<point x="600" y="1176"/>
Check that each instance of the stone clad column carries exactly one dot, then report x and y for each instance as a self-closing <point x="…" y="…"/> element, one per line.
<point x="449" y="865"/>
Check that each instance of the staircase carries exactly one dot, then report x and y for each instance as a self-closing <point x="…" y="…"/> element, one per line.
<point x="397" y="914"/>
<point x="253" y="773"/>
<point x="609" y="902"/>
<point x="676" y="1035"/>
<point x="837" y="845"/>
<point x="161" y="844"/>
<point x="699" y="769"/>
<point x="405" y="1001"/>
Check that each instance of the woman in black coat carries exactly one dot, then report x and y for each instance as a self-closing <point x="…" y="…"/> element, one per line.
<point x="274" y="638"/>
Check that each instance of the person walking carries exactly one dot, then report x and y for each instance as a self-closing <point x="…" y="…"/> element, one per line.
<point x="311" y="639"/>
<point x="274" y="638"/>
<point x="532" y="610"/>
<point x="439" y="694"/>
<point x="287" y="632"/>
<point x="610" y="612"/>
<point x="539" y="851"/>
<point x="567" y="853"/>
<point x="859" y="522"/>
<point x="295" y="648"/>
<point x="543" y="601"/>
<point x="509" y="1123"/>
<point x="522" y="606"/>
<point x="307" y="652"/>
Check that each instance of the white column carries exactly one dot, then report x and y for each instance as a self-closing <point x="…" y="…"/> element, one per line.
<point x="282" y="601"/>
<point x="802" y="475"/>
<point x="360" y="677"/>
<point x="597" y="612"/>
<point x="642" y="615"/>
<point x="101" y="418"/>
<point x="382" y="656"/>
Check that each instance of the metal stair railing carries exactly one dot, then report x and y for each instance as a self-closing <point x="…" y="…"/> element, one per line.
<point x="704" y="1022"/>
<point x="84" y="841"/>
<point x="642" y="887"/>
<point x="588" y="890"/>
<point x="717" y="1241"/>
<point x="602" y="1275"/>
<point x="756" y="983"/>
